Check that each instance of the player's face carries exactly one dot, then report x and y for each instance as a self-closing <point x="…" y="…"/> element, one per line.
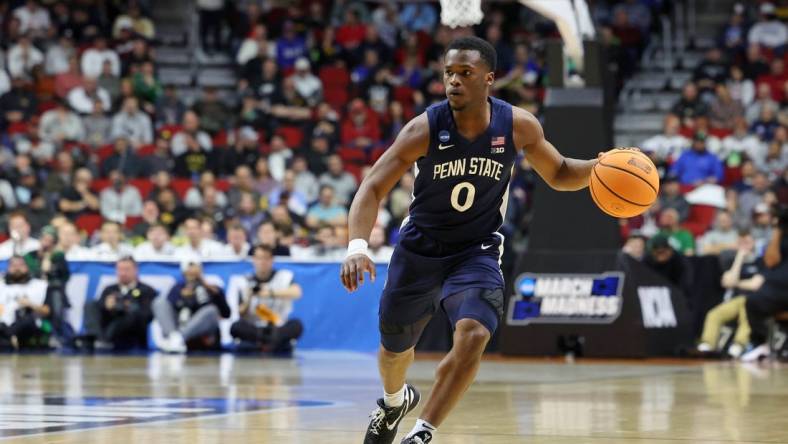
<point x="466" y="78"/>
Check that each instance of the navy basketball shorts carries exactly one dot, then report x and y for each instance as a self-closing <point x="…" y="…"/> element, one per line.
<point x="424" y="276"/>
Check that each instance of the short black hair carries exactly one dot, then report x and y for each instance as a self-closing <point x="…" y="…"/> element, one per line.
<point x="263" y="248"/>
<point x="473" y="43"/>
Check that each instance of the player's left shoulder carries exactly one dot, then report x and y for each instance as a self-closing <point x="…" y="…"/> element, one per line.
<point x="526" y="128"/>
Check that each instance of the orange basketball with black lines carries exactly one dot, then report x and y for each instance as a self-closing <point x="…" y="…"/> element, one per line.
<point x="624" y="183"/>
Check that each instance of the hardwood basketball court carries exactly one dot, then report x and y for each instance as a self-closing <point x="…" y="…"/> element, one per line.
<point x="326" y="397"/>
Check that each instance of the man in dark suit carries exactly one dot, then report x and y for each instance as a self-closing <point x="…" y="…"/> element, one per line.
<point x="119" y="318"/>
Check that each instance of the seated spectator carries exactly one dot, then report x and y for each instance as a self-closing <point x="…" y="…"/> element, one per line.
<point x="268" y="237"/>
<point x="326" y="211"/>
<point x="243" y="182"/>
<point x="670" y="197"/>
<point x="119" y="317"/>
<point x="668" y="262"/>
<point x="287" y="105"/>
<point x="316" y="157"/>
<point x="172" y="212"/>
<point x="82" y="99"/>
<point x="750" y="198"/>
<point x="214" y="114"/>
<point x="305" y="182"/>
<point x="197" y="246"/>
<point x="59" y="125"/>
<point x="97" y="126"/>
<point x="60" y="176"/>
<point x="150" y="216"/>
<point x="109" y="82"/>
<point x="290" y="46"/>
<point x="741" y="89"/>
<point x="689" y="106"/>
<point x="740" y="143"/>
<point x="378" y="250"/>
<point x="77" y="198"/>
<point x="49" y="263"/>
<point x="308" y="85"/>
<point x="772" y="296"/>
<point x="776" y="160"/>
<point x="762" y="101"/>
<point x="237" y="247"/>
<point x="169" y="107"/>
<point x="111" y="246"/>
<point x="724" y="110"/>
<point x="776" y="78"/>
<point x="68" y="80"/>
<point x="253" y="44"/>
<point x="22" y="57"/>
<point x="722" y="237"/>
<point x="132" y="124"/>
<point x="698" y="166"/>
<point x="245" y="150"/>
<point x="761" y="225"/>
<point x="25" y="306"/>
<point x="19" y="241"/>
<point x="635" y="246"/>
<point x="191" y="137"/>
<point x="342" y="182"/>
<point x="266" y="305"/>
<point x="742" y="279"/>
<point x="766" y="124"/>
<point x="33" y="19"/>
<point x="680" y="239"/>
<point x="193" y="198"/>
<point x="711" y="71"/>
<point x="195" y="161"/>
<point x="120" y="200"/>
<point x="125" y="160"/>
<point x="287" y="193"/>
<point x="768" y="31"/>
<point x="359" y="130"/>
<point x="278" y="158"/>
<point x="134" y="19"/>
<point x="248" y="212"/>
<point x="157" y="246"/>
<point x="324" y="245"/>
<point x="93" y="58"/>
<point x="19" y="104"/>
<point x="69" y="242"/>
<point x="190" y="312"/>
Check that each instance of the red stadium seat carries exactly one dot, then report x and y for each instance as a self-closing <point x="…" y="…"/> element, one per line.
<point x="220" y="139"/>
<point x="700" y="219"/>
<point x="99" y="184"/>
<point x="131" y="221"/>
<point x="223" y="185"/>
<point x="732" y="175"/>
<point x="144" y="186"/>
<point x="89" y="222"/>
<point x="146" y="150"/>
<point x="181" y="186"/>
<point x="404" y="95"/>
<point x="293" y="135"/>
<point x="104" y="152"/>
<point x="167" y="131"/>
<point x="3" y="237"/>
<point x="352" y="156"/>
<point x="336" y="80"/>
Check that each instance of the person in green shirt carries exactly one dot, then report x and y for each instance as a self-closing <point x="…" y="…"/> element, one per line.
<point x="680" y="239"/>
<point x="49" y="263"/>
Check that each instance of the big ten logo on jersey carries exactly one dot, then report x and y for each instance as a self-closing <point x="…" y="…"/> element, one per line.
<point x="498" y="145"/>
<point x="566" y="298"/>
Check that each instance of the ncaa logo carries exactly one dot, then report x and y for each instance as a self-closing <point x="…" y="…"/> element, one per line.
<point x="526" y="287"/>
<point x="443" y="136"/>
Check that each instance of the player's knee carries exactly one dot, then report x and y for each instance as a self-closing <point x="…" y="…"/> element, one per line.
<point x="471" y="333"/>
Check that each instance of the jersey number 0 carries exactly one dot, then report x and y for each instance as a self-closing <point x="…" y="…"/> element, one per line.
<point x="455" y="196"/>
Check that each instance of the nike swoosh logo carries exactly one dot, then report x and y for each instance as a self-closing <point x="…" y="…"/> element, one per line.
<point x="444" y="147"/>
<point x="402" y="412"/>
<point x="484" y="247"/>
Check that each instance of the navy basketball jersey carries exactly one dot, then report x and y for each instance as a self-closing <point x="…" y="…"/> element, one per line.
<point x="462" y="186"/>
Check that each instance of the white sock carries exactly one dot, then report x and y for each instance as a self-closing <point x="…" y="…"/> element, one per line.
<point x="395" y="399"/>
<point x="422" y="425"/>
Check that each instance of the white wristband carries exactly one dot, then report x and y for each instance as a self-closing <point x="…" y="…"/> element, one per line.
<point x="357" y="246"/>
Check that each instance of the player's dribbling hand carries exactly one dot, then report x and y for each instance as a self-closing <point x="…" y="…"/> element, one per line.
<point x="353" y="269"/>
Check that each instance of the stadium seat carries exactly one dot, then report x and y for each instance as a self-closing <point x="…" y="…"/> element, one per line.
<point x="700" y="219"/>
<point x="104" y="152"/>
<point x="167" y="131"/>
<point x="352" y="156"/>
<point x="181" y="186"/>
<point x="146" y="150"/>
<point x="223" y="185"/>
<point x="293" y="135"/>
<point x="131" y="221"/>
<point x="335" y="85"/>
<point x="144" y="186"/>
<point x="404" y="95"/>
<point x="219" y="140"/>
<point x="99" y="184"/>
<point x="89" y="222"/>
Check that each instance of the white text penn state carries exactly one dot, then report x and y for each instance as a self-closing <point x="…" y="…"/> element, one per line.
<point x="474" y="166"/>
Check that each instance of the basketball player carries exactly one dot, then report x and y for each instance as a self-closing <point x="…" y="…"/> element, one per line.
<point x="449" y="250"/>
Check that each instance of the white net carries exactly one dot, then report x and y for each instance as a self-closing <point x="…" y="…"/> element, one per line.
<point x="461" y="13"/>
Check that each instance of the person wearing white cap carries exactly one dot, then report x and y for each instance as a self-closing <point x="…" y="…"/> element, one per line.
<point x="768" y="31"/>
<point x="308" y="85"/>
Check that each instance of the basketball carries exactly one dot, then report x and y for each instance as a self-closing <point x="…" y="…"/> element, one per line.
<point x="624" y="183"/>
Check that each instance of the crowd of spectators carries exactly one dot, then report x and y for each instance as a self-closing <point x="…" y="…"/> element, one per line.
<point x="723" y="155"/>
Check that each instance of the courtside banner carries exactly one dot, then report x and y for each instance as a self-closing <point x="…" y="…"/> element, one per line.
<point x="333" y="319"/>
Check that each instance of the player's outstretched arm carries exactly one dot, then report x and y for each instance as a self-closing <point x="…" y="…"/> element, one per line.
<point x="411" y="144"/>
<point x="561" y="173"/>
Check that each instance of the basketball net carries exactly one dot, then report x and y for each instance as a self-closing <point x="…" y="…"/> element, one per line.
<point x="461" y="13"/>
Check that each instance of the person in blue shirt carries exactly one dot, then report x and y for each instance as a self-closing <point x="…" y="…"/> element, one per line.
<point x="698" y="166"/>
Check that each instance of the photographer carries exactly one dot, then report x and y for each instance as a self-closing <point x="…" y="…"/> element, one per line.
<point x="119" y="318"/>
<point x="24" y="304"/>
<point x="772" y="297"/>
<point x="192" y="310"/>
<point x="266" y="305"/>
